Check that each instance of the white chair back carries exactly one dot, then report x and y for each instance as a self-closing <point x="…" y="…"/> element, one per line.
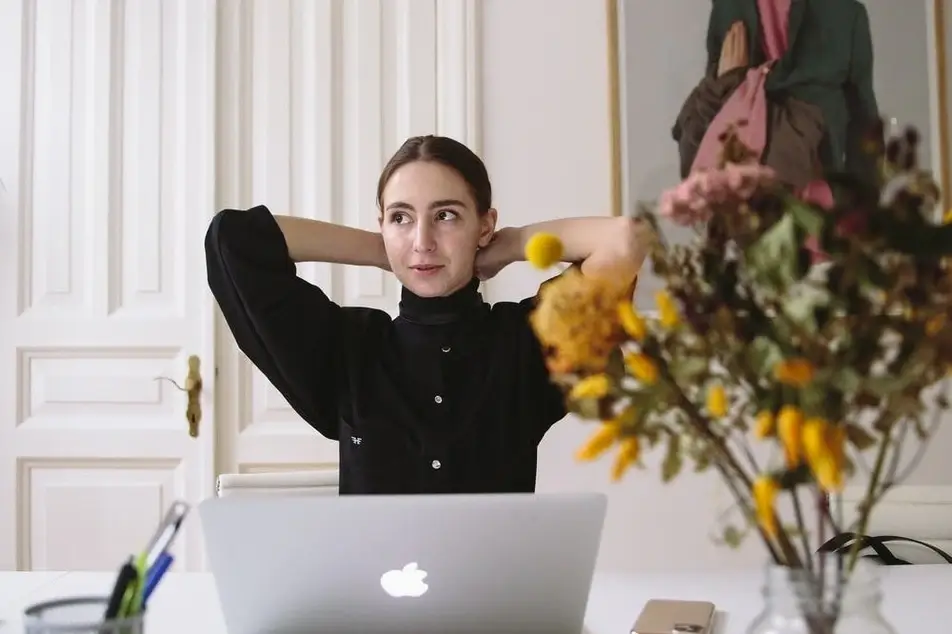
<point x="317" y="482"/>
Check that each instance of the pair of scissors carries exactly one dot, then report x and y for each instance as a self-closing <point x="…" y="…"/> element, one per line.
<point x="133" y="596"/>
<point x="123" y="591"/>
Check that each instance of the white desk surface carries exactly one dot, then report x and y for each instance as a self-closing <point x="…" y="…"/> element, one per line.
<point x="916" y="598"/>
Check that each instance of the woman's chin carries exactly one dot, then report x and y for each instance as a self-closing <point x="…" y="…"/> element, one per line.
<point x="430" y="283"/>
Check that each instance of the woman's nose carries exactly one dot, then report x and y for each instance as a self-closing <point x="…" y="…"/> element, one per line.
<point x="423" y="241"/>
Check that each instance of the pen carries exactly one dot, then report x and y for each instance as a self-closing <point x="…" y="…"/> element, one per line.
<point x="162" y="564"/>
<point x="129" y="592"/>
<point x="165" y="534"/>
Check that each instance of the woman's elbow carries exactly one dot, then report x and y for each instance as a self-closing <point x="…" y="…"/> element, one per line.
<point x="621" y="251"/>
<point x="633" y="242"/>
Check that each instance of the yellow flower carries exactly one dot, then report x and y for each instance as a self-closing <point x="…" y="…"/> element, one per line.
<point x="838" y="443"/>
<point x="631" y="321"/>
<point x="790" y="430"/>
<point x="642" y="368"/>
<point x="765" y="491"/>
<point x="765" y="424"/>
<point x="543" y="250"/>
<point x="668" y="311"/>
<point x="599" y="442"/>
<point x="829" y="476"/>
<point x="824" y="446"/>
<point x="832" y="478"/>
<point x="796" y="372"/>
<point x="576" y="321"/>
<point x="595" y="386"/>
<point x="717" y="401"/>
<point x="627" y="456"/>
<point x="947" y="218"/>
<point x="815" y="440"/>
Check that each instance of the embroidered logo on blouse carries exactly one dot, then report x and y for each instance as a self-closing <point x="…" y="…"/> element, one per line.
<point x="356" y="440"/>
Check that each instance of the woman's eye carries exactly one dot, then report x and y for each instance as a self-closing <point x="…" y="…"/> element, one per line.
<point x="398" y="218"/>
<point x="447" y="214"/>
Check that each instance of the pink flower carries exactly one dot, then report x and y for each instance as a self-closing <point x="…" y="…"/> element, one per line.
<point x="695" y="198"/>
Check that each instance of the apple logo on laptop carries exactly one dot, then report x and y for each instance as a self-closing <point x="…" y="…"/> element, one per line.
<point x="404" y="582"/>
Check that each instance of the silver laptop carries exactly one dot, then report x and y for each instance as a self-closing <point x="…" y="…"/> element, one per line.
<point x="421" y="564"/>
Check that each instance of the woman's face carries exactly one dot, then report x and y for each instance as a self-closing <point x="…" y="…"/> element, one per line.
<point x="431" y="228"/>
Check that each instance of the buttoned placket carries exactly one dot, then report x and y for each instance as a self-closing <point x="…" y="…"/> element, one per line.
<point x="436" y="463"/>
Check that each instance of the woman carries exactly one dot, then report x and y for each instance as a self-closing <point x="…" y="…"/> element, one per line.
<point x="453" y="395"/>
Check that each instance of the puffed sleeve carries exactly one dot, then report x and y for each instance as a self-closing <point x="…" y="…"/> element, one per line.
<point x="861" y="98"/>
<point x="289" y="329"/>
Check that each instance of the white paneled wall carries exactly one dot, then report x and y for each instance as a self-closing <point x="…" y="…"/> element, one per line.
<point x="124" y="125"/>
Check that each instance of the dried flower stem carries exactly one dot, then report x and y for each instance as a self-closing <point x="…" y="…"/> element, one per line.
<point x="729" y="469"/>
<point x="821" y="556"/>
<point x="893" y="478"/>
<point x="802" y="529"/>
<point x="867" y="507"/>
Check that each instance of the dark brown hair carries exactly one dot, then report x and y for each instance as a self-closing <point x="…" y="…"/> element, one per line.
<point x="448" y="152"/>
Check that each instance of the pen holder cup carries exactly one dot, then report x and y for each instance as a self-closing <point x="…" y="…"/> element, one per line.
<point x="78" y="615"/>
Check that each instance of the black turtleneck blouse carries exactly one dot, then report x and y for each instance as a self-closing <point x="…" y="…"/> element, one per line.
<point x="452" y="396"/>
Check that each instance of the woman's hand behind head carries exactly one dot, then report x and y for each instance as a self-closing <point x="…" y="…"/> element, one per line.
<point x="505" y="248"/>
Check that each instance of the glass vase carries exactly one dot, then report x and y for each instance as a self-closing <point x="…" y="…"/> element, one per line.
<point x="815" y="602"/>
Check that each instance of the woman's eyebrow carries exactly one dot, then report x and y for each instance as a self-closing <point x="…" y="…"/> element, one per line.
<point x="447" y="202"/>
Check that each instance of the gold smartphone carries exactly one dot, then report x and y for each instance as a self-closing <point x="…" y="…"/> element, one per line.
<point x="669" y="616"/>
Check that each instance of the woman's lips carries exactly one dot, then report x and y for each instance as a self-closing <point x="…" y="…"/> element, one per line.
<point x="426" y="269"/>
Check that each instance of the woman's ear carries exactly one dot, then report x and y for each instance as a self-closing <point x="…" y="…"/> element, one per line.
<point x="487" y="228"/>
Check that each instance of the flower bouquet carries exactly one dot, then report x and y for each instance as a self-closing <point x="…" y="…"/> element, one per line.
<point x="795" y="348"/>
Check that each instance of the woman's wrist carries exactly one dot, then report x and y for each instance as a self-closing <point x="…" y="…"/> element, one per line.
<point x="380" y="260"/>
<point x="514" y="243"/>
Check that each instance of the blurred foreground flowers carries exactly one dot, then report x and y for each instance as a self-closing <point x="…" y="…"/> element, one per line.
<point x="790" y="375"/>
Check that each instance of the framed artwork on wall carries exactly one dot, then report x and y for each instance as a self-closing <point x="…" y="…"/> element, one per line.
<point x="657" y="55"/>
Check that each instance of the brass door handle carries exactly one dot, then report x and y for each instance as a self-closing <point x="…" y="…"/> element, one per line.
<point x="193" y="387"/>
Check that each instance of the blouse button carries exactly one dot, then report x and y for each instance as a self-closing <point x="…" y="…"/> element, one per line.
<point x="446" y="349"/>
<point x="436" y="464"/>
<point x="438" y="399"/>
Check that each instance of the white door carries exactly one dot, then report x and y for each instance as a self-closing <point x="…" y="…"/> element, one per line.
<point x="315" y="97"/>
<point x="106" y="186"/>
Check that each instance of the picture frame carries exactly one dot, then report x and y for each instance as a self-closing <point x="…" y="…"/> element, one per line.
<point x="938" y="16"/>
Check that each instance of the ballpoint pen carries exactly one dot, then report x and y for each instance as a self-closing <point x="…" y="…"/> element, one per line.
<point x="165" y="534"/>
<point x="128" y="593"/>
<point x="162" y="564"/>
